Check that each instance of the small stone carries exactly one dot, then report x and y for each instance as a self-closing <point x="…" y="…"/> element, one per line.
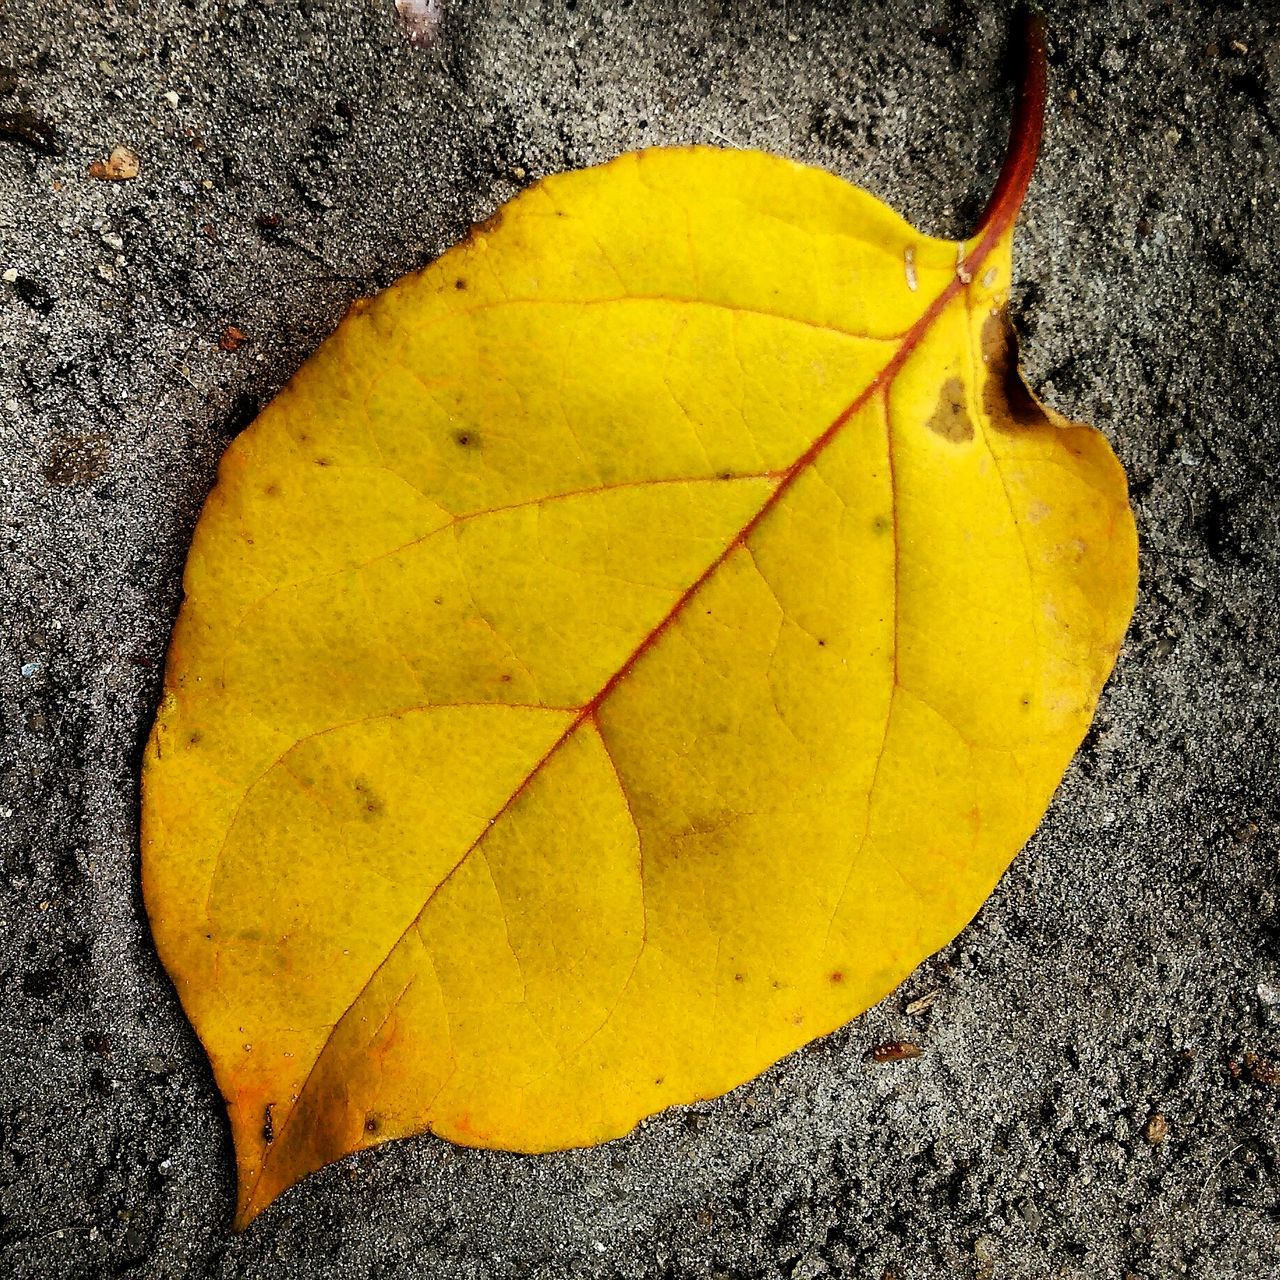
<point x="894" y="1051"/>
<point x="232" y="338"/>
<point x="11" y="275"/>
<point x="1156" y="1129"/>
<point x="120" y="166"/>
<point x="112" y="240"/>
<point x="172" y="99"/>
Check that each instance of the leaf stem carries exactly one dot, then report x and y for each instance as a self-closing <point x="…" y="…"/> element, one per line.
<point x="1025" y="131"/>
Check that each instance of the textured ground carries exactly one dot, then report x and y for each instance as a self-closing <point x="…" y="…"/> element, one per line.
<point x="1099" y="1094"/>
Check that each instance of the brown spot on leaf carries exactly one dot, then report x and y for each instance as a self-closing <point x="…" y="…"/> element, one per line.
<point x="371" y="1124"/>
<point x="1005" y="397"/>
<point x="268" y="1125"/>
<point x="369" y="800"/>
<point x="838" y="976"/>
<point x="950" y="418"/>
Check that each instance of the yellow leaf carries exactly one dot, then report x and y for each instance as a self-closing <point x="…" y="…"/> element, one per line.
<point x="618" y="657"/>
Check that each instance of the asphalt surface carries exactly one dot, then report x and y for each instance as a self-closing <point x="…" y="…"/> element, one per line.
<point x="1099" y="1089"/>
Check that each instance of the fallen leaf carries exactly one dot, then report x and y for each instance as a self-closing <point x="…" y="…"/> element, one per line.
<point x="120" y="166"/>
<point x="232" y="338"/>
<point x="617" y="658"/>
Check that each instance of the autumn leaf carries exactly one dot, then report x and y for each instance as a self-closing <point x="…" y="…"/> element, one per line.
<point x="618" y="657"/>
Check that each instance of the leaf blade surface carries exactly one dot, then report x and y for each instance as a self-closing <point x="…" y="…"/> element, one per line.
<point x="622" y="653"/>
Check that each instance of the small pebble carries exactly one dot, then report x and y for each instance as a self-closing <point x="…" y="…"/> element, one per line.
<point x="120" y="166"/>
<point x="894" y="1051"/>
<point x="231" y="338"/>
